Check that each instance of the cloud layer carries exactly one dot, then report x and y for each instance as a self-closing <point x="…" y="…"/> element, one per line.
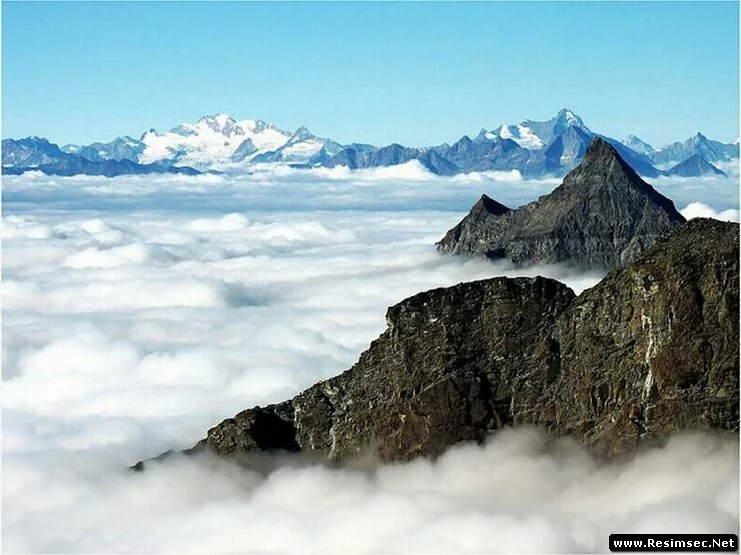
<point x="139" y="311"/>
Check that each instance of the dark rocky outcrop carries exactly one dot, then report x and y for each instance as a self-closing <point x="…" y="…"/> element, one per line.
<point x="602" y="215"/>
<point x="652" y="349"/>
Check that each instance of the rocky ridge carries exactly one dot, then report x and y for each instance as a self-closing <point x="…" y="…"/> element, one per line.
<point x="650" y="350"/>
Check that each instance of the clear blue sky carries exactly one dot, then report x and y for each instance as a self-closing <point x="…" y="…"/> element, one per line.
<point x="415" y="73"/>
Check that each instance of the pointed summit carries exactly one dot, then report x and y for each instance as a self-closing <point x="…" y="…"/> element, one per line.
<point x="490" y="206"/>
<point x="470" y="229"/>
<point x="639" y="145"/>
<point x="602" y="159"/>
<point x="695" y="166"/>
<point x="302" y="134"/>
<point x="602" y="216"/>
<point x="569" y="117"/>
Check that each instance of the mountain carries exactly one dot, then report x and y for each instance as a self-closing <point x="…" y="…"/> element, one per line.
<point x="695" y="166"/>
<point x="485" y="153"/>
<point x="354" y="157"/>
<point x="651" y="350"/>
<point x="30" y="152"/>
<point x="534" y="135"/>
<point x="711" y="151"/>
<point x="602" y="215"/>
<point x="36" y="154"/>
<point x="212" y="141"/>
<point x="641" y="163"/>
<point x="77" y="165"/>
<point x="120" y="148"/>
<point x="636" y="144"/>
<point x="303" y="148"/>
<point x="536" y="149"/>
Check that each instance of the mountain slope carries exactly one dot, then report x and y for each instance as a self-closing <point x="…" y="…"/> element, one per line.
<point x="304" y="148"/>
<point x="638" y="145"/>
<point x="120" y="148"/>
<point x="602" y="215"/>
<point x="695" y="166"/>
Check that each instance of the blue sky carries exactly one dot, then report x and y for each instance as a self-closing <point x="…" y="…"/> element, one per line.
<point x="415" y="73"/>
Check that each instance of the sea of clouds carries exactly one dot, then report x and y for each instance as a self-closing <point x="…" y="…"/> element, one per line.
<point x="139" y="311"/>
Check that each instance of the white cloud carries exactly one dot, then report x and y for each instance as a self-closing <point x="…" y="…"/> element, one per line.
<point x="700" y="210"/>
<point x="140" y="311"/>
<point x="483" y="177"/>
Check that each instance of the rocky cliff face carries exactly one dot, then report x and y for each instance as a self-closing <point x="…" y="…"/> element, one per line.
<point x="603" y="215"/>
<point x="652" y="349"/>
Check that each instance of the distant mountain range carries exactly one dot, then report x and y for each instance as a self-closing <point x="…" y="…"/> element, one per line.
<point x="221" y="143"/>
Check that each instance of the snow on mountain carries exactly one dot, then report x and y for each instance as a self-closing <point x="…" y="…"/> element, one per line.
<point x="219" y="142"/>
<point x="631" y="141"/>
<point x="535" y="135"/>
<point x="520" y="134"/>
<point x="712" y="151"/>
<point x="302" y="148"/>
<point x="211" y="141"/>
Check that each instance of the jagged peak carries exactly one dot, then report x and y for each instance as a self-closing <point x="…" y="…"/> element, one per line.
<point x="569" y="116"/>
<point x="601" y="163"/>
<point x="488" y="205"/>
<point x="221" y="119"/>
<point x="303" y="134"/>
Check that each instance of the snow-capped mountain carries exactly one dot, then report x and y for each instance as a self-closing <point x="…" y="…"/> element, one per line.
<point x="534" y="148"/>
<point x="302" y="148"/>
<point x="535" y="135"/>
<point x="216" y="142"/>
<point x="212" y="141"/>
<point x="219" y="142"/>
<point x="640" y="146"/>
<point x="120" y="148"/>
<point x="37" y="154"/>
<point x="710" y="150"/>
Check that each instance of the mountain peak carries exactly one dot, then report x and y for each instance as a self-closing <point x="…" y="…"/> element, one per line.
<point x="303" y="134"/>
<point x="569" y="116"/>
<point x="220" y="119"/>
<point x="604" y="168"/>
<point x="566" y="118"/>
<point x="490" y="206"/>
<point x="600" y="148"/>
<point x="602" y="215"/>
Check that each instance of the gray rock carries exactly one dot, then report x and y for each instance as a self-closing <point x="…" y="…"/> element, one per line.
<point x="601" y="216"/>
